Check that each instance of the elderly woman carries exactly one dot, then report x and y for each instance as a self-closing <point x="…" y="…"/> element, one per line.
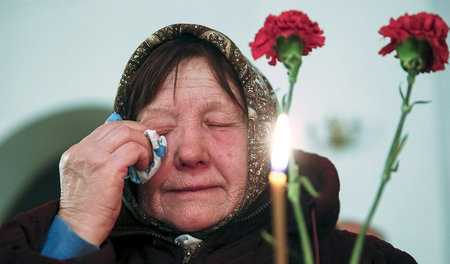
<point x="208" y="200"/>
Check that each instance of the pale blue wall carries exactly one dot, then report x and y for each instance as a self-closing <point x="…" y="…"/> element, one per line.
<point x="61" y="54"/>
<point x="443" y="128"/>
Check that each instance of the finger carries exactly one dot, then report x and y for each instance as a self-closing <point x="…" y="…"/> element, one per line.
<point x="101" y="131"/>
<point x="130" y="154"/>
<point x="122" y="135"/>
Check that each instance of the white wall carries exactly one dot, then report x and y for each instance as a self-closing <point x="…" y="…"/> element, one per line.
<point x="62" y="54"/>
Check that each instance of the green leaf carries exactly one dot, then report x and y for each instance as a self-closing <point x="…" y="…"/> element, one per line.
<point x="420" y="102"/>
<point x="399" y="147"/>
<point x="401" y="93"/>
<point x="309" y="187"/>
<point x="401" y="144"/>
<point x="395" y="167"/>
<point x="268" y="237"/>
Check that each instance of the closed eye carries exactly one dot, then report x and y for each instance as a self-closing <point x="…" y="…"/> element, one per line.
<point x="218" y="125"/>
<point x="163" y="132"/>
<point x="221" y="126"/>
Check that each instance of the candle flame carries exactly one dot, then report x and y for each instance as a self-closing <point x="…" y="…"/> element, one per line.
<point x="281" y="144"/>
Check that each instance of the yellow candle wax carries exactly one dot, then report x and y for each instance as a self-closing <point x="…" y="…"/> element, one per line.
<point x="278" y="188"/>
<point x="280" y="155"/>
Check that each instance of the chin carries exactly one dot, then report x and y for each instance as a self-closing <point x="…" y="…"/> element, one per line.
<point x="193" y="220"/>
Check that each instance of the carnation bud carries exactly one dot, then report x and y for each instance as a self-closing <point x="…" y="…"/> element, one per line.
<point x="415" y="55"/>
<point x="290" y="51"/>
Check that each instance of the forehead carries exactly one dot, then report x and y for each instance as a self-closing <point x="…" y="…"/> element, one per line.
<point x="192" y="83"/>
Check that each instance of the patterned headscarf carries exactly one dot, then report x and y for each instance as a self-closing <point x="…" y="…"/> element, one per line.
<point x="258" y="94"/>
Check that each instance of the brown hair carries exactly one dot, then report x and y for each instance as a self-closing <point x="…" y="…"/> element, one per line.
<point x="164" y="58"/>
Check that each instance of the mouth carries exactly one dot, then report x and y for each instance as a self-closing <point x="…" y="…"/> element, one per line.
<point x="193" y="189"/>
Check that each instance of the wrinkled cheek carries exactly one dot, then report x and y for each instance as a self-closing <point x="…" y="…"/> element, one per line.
<point x="149" y="195"/>
<point x="161" y="175"/>
<point x="233" y="147"/>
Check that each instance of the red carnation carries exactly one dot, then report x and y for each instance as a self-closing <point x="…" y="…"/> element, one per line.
<point x="286" y="24"/>
<point x="422" y="26"/>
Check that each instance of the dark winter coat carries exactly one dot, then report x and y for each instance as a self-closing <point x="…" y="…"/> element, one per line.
<point x="239" y="241"/>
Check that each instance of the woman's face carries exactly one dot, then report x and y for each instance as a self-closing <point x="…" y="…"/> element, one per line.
<point x="203" y="176"/>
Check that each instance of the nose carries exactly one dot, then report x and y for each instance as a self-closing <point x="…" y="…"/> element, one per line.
<point x="192" y="150"/>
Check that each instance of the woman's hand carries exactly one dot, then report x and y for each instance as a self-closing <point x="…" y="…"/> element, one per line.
<point x="92" y="177"/>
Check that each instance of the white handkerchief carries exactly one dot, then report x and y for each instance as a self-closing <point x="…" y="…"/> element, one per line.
<point x="159" y="146"/>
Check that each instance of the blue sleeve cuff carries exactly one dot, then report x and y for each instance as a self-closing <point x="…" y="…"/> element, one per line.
<point x="62" y="242"/>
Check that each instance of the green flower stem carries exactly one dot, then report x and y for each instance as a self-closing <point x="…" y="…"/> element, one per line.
<point x="304" y="238"/>
<point x="357" y="250"/>
<point x="287" y="101"/>
<point x="389" y="167"/>
<point x="294" y="192"/>
<point x="294" y="184"/>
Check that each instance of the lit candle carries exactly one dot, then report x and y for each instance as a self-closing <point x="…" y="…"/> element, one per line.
<point x="280" y="155"/>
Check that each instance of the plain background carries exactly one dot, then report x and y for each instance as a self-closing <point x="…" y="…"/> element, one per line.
<point x="60" y="57"/>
